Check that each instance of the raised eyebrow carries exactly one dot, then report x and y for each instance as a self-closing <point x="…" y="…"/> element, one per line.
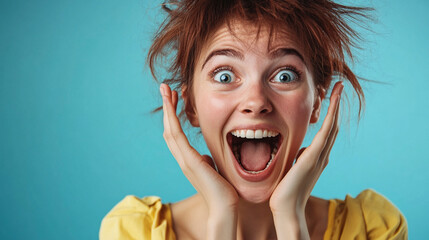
<point x="224" y="52"/>
<point x="280" y="52"/>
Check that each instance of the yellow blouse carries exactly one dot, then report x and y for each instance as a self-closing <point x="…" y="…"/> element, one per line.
<point x="368" y="216"/>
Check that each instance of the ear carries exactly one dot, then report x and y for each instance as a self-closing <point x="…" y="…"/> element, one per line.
<point x="320" y="95"/>
<point x="190" y="111"/>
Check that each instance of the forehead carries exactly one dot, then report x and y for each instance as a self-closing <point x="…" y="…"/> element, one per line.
<point x="249" y="37"/>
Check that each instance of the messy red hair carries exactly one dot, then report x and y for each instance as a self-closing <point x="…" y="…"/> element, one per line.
<point x="321" y="27"/>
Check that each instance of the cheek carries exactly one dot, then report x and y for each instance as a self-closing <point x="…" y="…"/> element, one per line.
<point x="212" y="110"/>
<point x="296" y="113"/>
<point x="303" y="111"/>
<point x="297" y="109"/>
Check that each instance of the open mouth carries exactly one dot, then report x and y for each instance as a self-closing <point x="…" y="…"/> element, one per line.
<point x="254" y="150"/>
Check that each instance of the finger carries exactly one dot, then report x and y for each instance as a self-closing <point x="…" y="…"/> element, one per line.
<point x="166" y="119"/>
<point x="328" y="152"/>
<point x="332" y="115"/>
<point x="173" y="132"/>
<point x="320" y="140"/>
<point x="170" y="118"/>
<point x="175" y="99"/>
<point x="317" y="149"/>
<point x="334" y="130"/>
<point x="324" y="156"/>
<point x="164" y="108"/>
<point x="188" y="158"/>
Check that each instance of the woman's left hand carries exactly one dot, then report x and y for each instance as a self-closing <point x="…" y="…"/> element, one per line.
<point x="289" y="199"/>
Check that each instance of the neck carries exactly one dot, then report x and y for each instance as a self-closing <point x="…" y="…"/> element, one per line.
<point x="255" y="221"/>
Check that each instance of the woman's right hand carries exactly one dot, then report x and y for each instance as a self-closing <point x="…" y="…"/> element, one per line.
<point x="220" y="197"/>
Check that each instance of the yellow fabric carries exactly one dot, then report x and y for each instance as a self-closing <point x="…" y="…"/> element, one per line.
<point x="138" y="219"/>
<point x="368" y="216"/>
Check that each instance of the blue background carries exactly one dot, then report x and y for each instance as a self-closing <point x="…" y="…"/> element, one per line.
<point x="76" y="133"/>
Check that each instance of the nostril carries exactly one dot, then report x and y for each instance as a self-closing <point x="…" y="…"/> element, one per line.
<point x="263" y="111"/>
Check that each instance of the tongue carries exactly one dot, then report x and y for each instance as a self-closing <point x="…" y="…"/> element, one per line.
<point x="255" y="155"/>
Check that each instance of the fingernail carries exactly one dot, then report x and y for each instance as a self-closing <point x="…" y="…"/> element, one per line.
<point x="341" y="88"/>
<point x="161" y="89"/>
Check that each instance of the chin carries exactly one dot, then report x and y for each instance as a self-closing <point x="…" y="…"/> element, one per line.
<point x="255" y="195"/>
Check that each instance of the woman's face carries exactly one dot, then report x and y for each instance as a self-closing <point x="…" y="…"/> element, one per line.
<point x="253" y="101"/>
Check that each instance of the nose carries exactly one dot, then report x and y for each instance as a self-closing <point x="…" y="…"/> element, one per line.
<point x="255" y="100"/>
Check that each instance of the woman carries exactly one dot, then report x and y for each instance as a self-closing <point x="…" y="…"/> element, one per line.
<point x="253" y="76"/>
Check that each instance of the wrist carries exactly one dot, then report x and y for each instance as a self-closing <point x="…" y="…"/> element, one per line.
<point x="222" y="224"/>
<point x="288" y="207"/>
<point x="291" y="224"/>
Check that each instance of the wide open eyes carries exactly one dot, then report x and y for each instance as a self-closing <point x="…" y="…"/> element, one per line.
<point x="286" y="76"/>
<point x="224" y="75"/>
<point x="283" y="75"/>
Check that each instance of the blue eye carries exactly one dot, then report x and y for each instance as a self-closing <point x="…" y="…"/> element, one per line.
<point x="285" y="76"/>
<point x="224" y="76"/>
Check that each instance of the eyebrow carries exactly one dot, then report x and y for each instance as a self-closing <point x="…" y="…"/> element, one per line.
<point x="224" y="52"/>
<point x="280" y="52"/>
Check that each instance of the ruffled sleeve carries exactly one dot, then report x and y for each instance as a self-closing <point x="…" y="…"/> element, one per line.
<point x="140" y="219"/>
<point x="368" y="216"/>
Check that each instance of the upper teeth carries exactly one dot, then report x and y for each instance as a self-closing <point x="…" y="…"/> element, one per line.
<point x="259" y="133"/>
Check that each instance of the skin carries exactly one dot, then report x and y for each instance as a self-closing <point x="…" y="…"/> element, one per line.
<point x="227" y="206"/>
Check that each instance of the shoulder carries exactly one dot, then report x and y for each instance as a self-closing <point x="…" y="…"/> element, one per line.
<point x="138" y="218"/>
<point x="382" y="219"/>
<point x="369" y="215"/>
